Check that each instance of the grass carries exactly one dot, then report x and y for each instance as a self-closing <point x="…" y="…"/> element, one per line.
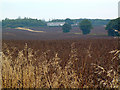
<point x="78" y="33"/>
<point x="27" y="29"/>
<point x="59" y="64"/>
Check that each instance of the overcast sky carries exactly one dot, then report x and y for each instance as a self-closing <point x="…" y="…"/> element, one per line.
<point x="59" y="9"/>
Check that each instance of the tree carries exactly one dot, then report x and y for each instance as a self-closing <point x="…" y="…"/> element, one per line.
<point x="25" y="22"/>
<point x="66" y="28"/>
<point x="85" y="25"/>
<point x="113" y="27"/>
<point x="69" y="21"/>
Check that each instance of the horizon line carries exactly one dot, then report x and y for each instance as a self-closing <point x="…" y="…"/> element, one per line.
<point x="57" y="18"/>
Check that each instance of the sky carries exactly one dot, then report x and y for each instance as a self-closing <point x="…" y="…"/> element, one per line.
<point x="59" y="9"/>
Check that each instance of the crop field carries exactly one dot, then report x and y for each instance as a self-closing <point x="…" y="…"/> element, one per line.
<point x="82" y="63"/>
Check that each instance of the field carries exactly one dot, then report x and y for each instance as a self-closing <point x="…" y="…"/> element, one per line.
<point x="52" y="33"/>
<point x="79" y="63"/>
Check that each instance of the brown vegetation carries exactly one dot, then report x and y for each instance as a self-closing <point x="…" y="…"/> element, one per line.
<point x="51" y="33"/>
<point x="59" y="64"/>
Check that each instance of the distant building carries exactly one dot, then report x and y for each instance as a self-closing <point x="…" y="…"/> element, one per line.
<point x="76" y="24"/>
<point x="59" y="24"/>
<point x="55" y="23"/>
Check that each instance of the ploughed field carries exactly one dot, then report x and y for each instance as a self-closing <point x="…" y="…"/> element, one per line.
<point x="81" y="63"/>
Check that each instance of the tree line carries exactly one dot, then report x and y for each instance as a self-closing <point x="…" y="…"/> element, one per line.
<point x="95" y="22"/>
<point x="25" y="22"/>
<point x="113" y="26"/>
<point x="85" y="25"/>
<point x="29" y="22"/>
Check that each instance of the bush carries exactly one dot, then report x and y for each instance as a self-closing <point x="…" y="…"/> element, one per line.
<point x="66" y="28"/>
<point x="113" y="27"/>
<point x="85" y="26"/>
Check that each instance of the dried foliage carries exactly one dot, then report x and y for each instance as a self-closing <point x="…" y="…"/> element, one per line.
<point x="59" y="64"/>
